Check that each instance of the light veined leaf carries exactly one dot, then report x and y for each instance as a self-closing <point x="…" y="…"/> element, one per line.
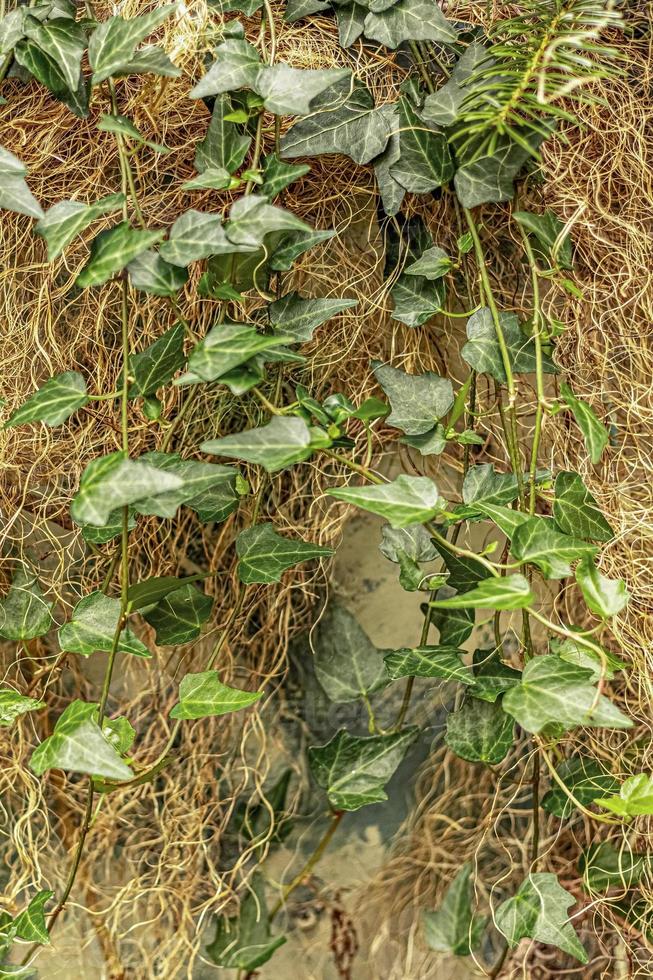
<point x="92" y="627"/>
<point x="30" y="924"/>
<point x="354" y="770"/>
<point x="64" y="221"/>
<point x="299" y="317"/>
<point x="406" y="500"/>
<point x="252" y="217"/>
<point x="539" y="911"/>
<point x="54" y="402"/>
<point x="432" y="264"/>
<point x="194" y="236"/>
<point x="203" y="695"/>
<point x="122" y="126"/>
<point x="120" y="732"/>
<point x="601" y="662"/>
<point x="112" y="250"/>
<point x="502" y="592"/>
<point x="464" y="573"/>
<point x="455" y="626"/>
<point x="491" y="676"/>
<point x="13" y="705"/>
<point x="604" y="865"/>
<point x="560" y="696"/>
<point x="480" y="731"/>
<point x="483" y="485"/>
<point x="428" y="661"/>
<point x="154" y="589"/>
<point x="178" y="616"/>
<point x="416" y="300"/>
<point x="418" y="401"/>
<point x="424" y="159"/>
<point x="391" y="191"/>
<point x="537" y="542"/>
<point x="11" y="29"/>
<point x="297" y="9"/>
<point x="77" y="744"/>
<point x="196" y="476"/>
<point x="277" y="175"/>
<point x="489" y="179"/>
<point x="63" y="41"/>
<point x="546" y="228"/>
<point x="482" y="351"/>
<point x="245" y="942"/>
<point x="264" y="555"/>
<point x="413" y="541"/>
<point x="224" y="146"/>
<point x="113" y="42"/>
<point x="24" y="611"/>
<point x="156" y="365"/>
<point x="213" y="178"/>
<point x="237" y="66"/>
<point x="45" y="69"/>
<point x="150" y="59"/>
<point x="347" y="664"/>
<point x="293" y="245"/>
<point x="604" y="596"/>
<point x="280" y="443"/>
<point x="114" y="481"/>
<point x="594" y="432"/>
<point x="345" y="121"/>
<point x="442" y="108"/>
<point x="431" y="443"/>
<point x="409" y="20"/>
<point x="575" y="510"/>
<point x="15" y="195"/>
<point x="228" y="345"/>
<point x="505" y="518"/>
<point x="634" y="799"/>
<point x="585" y="778"/>
<point x="453" y="928"/>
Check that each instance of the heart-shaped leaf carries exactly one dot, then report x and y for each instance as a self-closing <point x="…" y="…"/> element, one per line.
<point x="13" y="705"/>
<point x="64" y="221"/>
<point x="480" y="731"/>
<point x="604" y="596"/>
<point x="204" y="695"/>
<point x="347" y="664"/>
<point x="299" y="317"/>
<point x="114" y="481"/>
<point x="407" y="500"/>
<point x="575" y="510"/>
<point x="418" y="400"/>
<point x="428" y="661"/>
<point x="539" y="911"/>
<point x="112" y="250"/>
<point x="264" y="555"/>
<point x="24" y="612"/>
<point x="77" y="744"/>
<point x="178" y="616"/>
<point x="93" y="626"/>
<point x="156" y="365"/>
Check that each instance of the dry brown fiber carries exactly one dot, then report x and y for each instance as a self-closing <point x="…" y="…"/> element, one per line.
<point x="171" y="870"/>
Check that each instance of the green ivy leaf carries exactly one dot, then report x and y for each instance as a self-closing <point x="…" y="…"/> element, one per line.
<point x="555" y="693"/>
<point x="482" y="485"/>
<point x="480" y="731"/>
<point x="78" y="745"/>
<point x="15" y="195"/>
<point x="196" y="478"/>
<point x="179" y="615"/>
<point x="505" y="592"/>
<point x="300" y="317"/>
<point x="114" y="481"/>
<point x="214" y="178"/>
<point x="416" y="300"/>
<point x="30" y="924"/>
<point x="430" y="443"/>
<point x="156" y="365"/>
<point x="64" y="221"/>
<point x="264" y="555"/>
<point x="489" y="178"/>
<point x="594" y="432"/>
<point x="64" y="42"/>
<point x="491" y="676"/>
<point x="55" y="402"/>
<point x="48" y="72"/>
<point x="347" y="664"/>
<point x="455" y="626"/>
<point x="204" y="695"/>
<point x="93" y="625"/>
<point x="194" y="236"/>
<point x="464" y="573"/>
<point x="482" y="350"/>
<point x="295" y="244"/>
<point x="546" y="229"/>
<point x="245" y="942"/>
<point x="347" y="123"/>
<point x="428" y="661"/>
<point x="585" y="778"/>
<point x="277" y="175"/>
<point x="575" y="510"/>
<point x="409" y="20"/>
<point x="432" y="264"/>
<point x="635" y="797"/>
<point x="453" y="928"/>
<point x="424" y="160"/>
<point x="406" y="500"/>
<point x="413" y="541"/>
<point x="603" y="866"/>
<point x="297" y="9"/>
<point x="538" y="542"/>
<point x="417" y="400"/>
<point x="251" y="218"/>
<point x="224" y="147"/>
<point x="391" y="191"/>
<point x="442" y="108"/>
<point x="354" y="770"/>
<point x="605" y="597"/>
<point x="13" y="705"/>
<point x="112" y="250"/>
<point x="154" y="589"/>
<point x="237" y="66"/>
<point x="122" y="126"/>
<point x="228" y="345"/>
<point x="120" y="732"/>
<point x="275" y="446"/>
<point x="149" y="59"/>
<point x="112" y="44"/>
<point x="539" y="911"/>
<point x="602" y="666"/>
<point x="24" y="612"/>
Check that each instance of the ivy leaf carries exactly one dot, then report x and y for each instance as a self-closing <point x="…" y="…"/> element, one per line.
<point x="13" y="705"/>
<point x="354" y="770"/>
<point x="64" y="221"/>
<point x="416" y="300"/>
<point x="407" y="500"/>
<point x="491" y="676"/>
<point x="455" y="626"/>
<point x="413" y="541"/>
<point x="347" y="664"/>
<point x="424" y="161"/>
<point x="294" y="245"/>
<point x="602" y="666"/>
<point x="224" y="147"/>
<point x="538" y="542"/>
<point x="442" y="108"/>
<point x="391" y="191"/>
<point x="482" y="485"/>
<point x="604" y="596"/>
<point x="464" y="573"/>
<point x="297" y="9"/>
<point x="482" y="350"/>
<point x="300" y="317"/>
<point x="24" y="612"/>
<point x="417" y="400"/>
<point x="428" y="661"/>
<point x="555" y="693"/>
<point x="178" y="616"/>
<point x="277" y="175"/>
<point x="112" y="250"/>
<point x="156" y="365"/>
<point x="594" y="432"/>
<point x="203" y="695"/>
<point x="505" y="592"/>
<point x="603" y="866"/>
<point x="237" y="66"/>
<point x="251" y="218"/>
<point x="49" y="73"/>
<point x="432" y="264"/>
<point x="77" y="744"/>
<point x="546" y="229"/>
<point x="280" y="443"/>
<point x="489" y="178"/>
<point x="15" y="195"/>
<point x="409" y="20"/>
<point x="120" y="733"/>
<point x="292" y="91"/>
<point x="539" y="911"/>
<point x="430" y="443"/>
<point x="113" y="43"/>
<point x="245" y="942"/>
<point x="149" y="59"/>
<point x="63" y="41"/>
<point x="264" y="555"/>
<point x="575" y="510"/>
<point x="93" y="625"/>
<point x="196" y="478"/>
<point x="154" y="589"/>
<point x="453" y="928"/>
<point x="228" y="345"/>
<point x="219" y="502"/>
<point x="114" y="481"/>
<point x="122" y="126"/>
<point x="193" y="236"/>
<point x="214" y="178"/>
<point x="30" y="924"/>
<point x="55" y="402"/>
<point x="346" y="123"/>
<point x="480" y="731"/>
<point x="585" y="778"/>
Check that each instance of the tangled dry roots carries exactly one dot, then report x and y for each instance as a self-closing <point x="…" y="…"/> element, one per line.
<point x="158" y="862"/>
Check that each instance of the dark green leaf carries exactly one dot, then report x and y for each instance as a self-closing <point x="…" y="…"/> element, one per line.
<point x="15" y="195"/>
<point x="264" y="555"/>
<point x="152" y="590"/>
<point x="30" y="924"/>
<point x="428" y="661"/>
<point x="228" y="345"/>
<point x="295" y="244"/>
<point x="244" y="943"/>
<point x="539" y="911"/>
<point x="122" y="126"/>
<point x="585" y="778"/>
<point x="409" y="20"/>
<point x="547" y="228"/>
<point x="604" y="596"/>
<point x="24" y="612"/>
<point x="594" y="432"/>
<point x="575" y="510"/>
<point x="480" y="731"/>
<point x="489" y="179"/>
<point x="280" y="443"/>
<point x="93" y="625"/>
<point x="453" y="928"/>
<point x="483" y="485"/>
<point x="347" y="664"/>
<point x="55" y="402"/>
<point x="455" y="626"/>
<point x="424" y="161"/>
<point x="78" y="745"/>
<point x="277" y="175"/>
<point x="538" y="542"/>
<point x="63" y="41"/>
<point x="603" y="866"/>
<point x="113" y="43"/>
<point x="179" y="615"/>
<point x="300" y="317"/>
<point x="432" y="264"/>
<point x="112" y="250"/>
<point x="297" y="9"/>
<point x="156" y="365"/>
<point x="391" y="191"/>
<point x="491" y="676"/>
<point x="196" y="478"/>
<point x="224" y="146"/>
<point x="416" y="300"/>
<point x="417" y="400"/>
<point x="482" y="351"/>
<point x="204" y="695"/>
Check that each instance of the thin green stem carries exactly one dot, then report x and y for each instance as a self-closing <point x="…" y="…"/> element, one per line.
<point x="321" y="847"/>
